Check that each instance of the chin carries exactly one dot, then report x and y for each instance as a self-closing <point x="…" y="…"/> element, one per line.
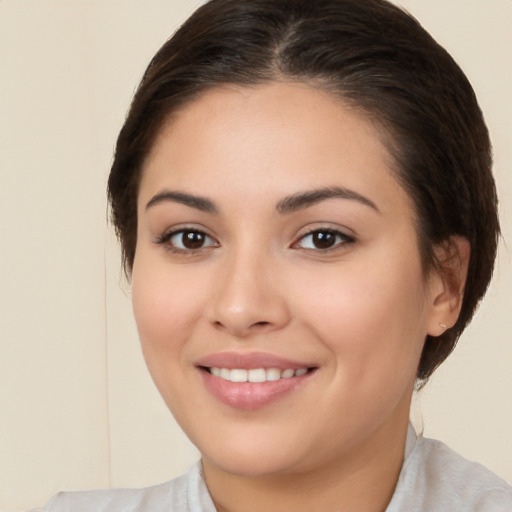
<point x="254" y="464"/>
<point x="257" y="454"/>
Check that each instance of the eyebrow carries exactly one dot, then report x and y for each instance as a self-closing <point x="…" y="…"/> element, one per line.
<point x="200" y="203"/>
<point x="306" y="199"/>
<point x="290" y="204"/>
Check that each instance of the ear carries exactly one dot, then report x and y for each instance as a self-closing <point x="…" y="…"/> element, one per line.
<point x="447" y="284"/>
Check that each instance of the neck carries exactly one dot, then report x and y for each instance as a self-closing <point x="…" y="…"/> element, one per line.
<point x="362" y="480"/>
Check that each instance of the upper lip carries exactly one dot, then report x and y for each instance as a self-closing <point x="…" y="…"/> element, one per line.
<point x="250" y="361"/>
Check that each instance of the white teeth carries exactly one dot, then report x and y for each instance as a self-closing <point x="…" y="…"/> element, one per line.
<point x="257" y="374"/>
<point x="273" y="374"/>
<point x="238" y="375"/>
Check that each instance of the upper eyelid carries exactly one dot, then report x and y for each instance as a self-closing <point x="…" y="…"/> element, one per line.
<point x="342" y="230"/>
<point x="178" y="228"/>
<point x="329" y="230"/>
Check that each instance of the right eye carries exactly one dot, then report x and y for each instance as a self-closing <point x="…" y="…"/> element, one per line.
<point x="187" y="240"/>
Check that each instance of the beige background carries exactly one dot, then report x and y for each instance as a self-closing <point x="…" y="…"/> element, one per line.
<point x="77" y="408"/>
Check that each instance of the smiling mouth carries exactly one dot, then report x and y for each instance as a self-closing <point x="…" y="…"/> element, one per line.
<point x="249" y="383"/>
<point x="256" y="374"/>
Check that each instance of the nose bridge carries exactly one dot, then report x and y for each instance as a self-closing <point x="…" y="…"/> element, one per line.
<point x="248" y="298"/>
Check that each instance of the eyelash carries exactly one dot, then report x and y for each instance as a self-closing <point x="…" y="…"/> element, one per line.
<point x="166" y="240"/>
<point x="343" y="239"/>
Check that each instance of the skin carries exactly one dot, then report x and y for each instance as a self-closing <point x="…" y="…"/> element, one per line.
<point x="358" y="312"/>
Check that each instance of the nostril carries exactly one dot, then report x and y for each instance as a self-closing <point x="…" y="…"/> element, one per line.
<point x="261" y="324"/>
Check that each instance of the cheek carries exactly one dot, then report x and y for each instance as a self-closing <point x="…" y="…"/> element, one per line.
<point x="166" y="307"/>
<point x="368" y="317"/>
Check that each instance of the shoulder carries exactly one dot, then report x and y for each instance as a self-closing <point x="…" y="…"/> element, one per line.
<point x="186" y="493"/>
<point x="126" y="500"/>
<point x="434" y="478"/>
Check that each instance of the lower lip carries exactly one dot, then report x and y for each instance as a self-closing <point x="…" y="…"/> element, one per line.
<point x="251" y="395"/>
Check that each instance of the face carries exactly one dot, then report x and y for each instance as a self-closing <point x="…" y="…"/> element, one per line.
<point x="277" y="284"/>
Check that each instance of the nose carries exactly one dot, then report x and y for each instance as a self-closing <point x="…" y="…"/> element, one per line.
<point x="249" y="298"/>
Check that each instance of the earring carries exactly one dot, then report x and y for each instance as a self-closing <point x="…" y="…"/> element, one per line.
<point x="444" y="326"/>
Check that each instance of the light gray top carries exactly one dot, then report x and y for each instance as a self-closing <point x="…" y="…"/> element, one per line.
<point x="433" y="479"/>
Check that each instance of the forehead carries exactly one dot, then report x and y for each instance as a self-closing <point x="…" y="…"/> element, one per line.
<point x="272" y="139"/>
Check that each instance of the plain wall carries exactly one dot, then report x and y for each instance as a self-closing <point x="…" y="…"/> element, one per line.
<point x="77" y="407"/>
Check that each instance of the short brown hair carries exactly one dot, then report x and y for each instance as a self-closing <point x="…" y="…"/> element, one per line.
<point x="374" y="56"/>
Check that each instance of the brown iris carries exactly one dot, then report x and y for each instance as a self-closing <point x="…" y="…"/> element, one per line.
<point x="193" y="239"/>
<point x="323" y="239"/>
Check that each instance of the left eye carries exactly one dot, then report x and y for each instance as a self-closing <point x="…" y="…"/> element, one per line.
<point x="189" y="239"/>
<point x="323" y="239"/>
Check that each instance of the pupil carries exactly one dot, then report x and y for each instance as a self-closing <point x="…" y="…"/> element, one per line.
<point x="323" y="239"/>
<point x="193" y="239"/>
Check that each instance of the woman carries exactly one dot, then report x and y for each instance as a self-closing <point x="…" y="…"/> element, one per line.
<point x="304" y="199"/>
